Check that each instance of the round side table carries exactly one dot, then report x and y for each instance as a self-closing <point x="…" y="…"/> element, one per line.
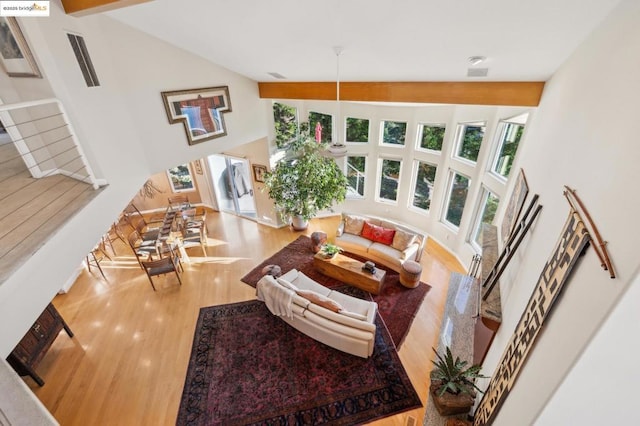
<point x="410" y="272"/>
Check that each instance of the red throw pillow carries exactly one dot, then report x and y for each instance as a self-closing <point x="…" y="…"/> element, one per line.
<point x="378" y="233"/>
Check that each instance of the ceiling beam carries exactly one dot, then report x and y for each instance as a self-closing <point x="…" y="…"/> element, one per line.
<point x="89" y="7"/>
<point x="526" y="93"/>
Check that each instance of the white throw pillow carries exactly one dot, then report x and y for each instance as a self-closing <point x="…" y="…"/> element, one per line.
<point x="354" y="315"/>
<point x="353" y="224"/>
<point x="402" y="240"/>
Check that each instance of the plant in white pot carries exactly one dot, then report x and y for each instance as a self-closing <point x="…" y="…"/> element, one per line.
<point x="306" y="183"/>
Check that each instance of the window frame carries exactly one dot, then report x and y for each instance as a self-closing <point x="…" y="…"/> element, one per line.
<point x="420" y="132"/>
<point x="395" y="145"/>
<point x="501" y="134"/>
<point x="414" y="181"/>
<point x="193" y="181"/>
<point x="447" y="199"/>
<point x="459" y="137"/>
<point x="346" y="130"/>
<point x="356" y="195"/>
<point x="381" y="160"/>
<point x="481" y="207"/>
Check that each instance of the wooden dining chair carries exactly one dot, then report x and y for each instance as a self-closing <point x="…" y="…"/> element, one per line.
<point x="162" y="266"/>
<point x="178" y="201"/>
<point x="93" y="259"/>
<point x="195" y="236"/>
<point x="140" y="248"/>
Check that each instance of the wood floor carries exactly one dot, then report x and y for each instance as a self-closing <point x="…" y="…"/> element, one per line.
<point x="31" y="210"/>
<point x="127" y="363"/>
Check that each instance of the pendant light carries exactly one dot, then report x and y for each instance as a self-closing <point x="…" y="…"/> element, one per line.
<point x="337" y="147"/>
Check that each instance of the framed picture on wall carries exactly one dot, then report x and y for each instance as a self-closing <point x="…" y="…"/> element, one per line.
<point x="201" y="111"/>
<point x="15" y="54"/>
<point x="259" y="172"/>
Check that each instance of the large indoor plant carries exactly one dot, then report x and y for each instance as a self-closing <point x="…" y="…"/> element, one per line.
<point x="306" y="182"/>
<point x="453" y="385"/>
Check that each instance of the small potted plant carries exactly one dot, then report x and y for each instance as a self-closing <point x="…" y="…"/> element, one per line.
<point x="453" y="385"/>
<point x="330" y="250"/>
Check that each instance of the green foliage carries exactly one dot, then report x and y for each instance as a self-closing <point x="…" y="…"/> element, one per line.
<point x="458" y="199"/>
<point x="432" y="137"/>
<point x="330" y="249"/>
<point x="394" y="132"/>
<point x="307" y="183"/>
<point x="453" y="376"/>
<point x="471" y="141"/>
<point x="325" y="121"/>
<point x="424" y="184"/>
<point x="355" y="173"/>
<point x="513" y="133"/>
<point x="286" y="123"/>
<point x="389" y="179"/>
<point x="357" y="129"/>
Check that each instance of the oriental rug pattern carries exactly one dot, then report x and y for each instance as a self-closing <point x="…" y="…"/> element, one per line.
<point x="249" y="367"/>
<point x="397" y="304"/>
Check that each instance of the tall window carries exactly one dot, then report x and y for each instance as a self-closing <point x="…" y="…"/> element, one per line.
<point x="84" y="60"/>
<point x="356" y="167"/>
<point x="430" y="136"/>
<point x="285" y="118"/>
<point x="326" y="124"/>
<point x="469" y="138"/>
<point x="357" y="130"/>
<point x="486" y="213"/>
<point x="393" y="132"/>
<point x="425" y="178"/>
<point x="458" y="190"/>
<point x="389" y="179"/>
<point x="180" y="178"/>
<point x="509" y="139"/>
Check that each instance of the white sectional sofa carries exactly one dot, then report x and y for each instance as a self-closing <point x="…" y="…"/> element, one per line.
<point x="380" y="240"/>
<point x="333" y="318"/>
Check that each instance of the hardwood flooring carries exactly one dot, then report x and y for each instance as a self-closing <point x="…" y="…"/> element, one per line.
<point x="127" y="363"/>
<point x="31" y="210"/>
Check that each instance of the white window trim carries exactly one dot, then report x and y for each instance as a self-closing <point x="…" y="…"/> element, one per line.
<point x="414" y="179"/>
<point x="460" y="130"/>
<point x="419" y="137"/>
<point x="503" y="124"/>
<point x="356" y="195"/>
<point x="392" y="145"/>
<point x="379" y="180"/>
<point x="193" y="181"/>
<point x="447" y="199"/>
<point x="353" y="142"/>
<point x="480" y="208"/>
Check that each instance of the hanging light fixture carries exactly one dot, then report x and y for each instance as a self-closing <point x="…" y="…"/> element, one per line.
<point x="337" y="147"/>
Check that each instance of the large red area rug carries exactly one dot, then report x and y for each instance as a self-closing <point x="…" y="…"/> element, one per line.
<point x="397" y="304"/>
<point x="248" y="367"/>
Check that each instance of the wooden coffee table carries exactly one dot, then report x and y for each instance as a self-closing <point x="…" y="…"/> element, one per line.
<point x="350" y="272"/>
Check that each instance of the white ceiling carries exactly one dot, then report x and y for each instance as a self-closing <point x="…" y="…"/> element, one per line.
<point x="404" y="40"/>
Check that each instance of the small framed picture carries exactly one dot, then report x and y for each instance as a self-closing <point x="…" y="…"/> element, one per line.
<point x="259" y="172"/>
<point x="15" y="54"/>
<point x="197" y="166"/>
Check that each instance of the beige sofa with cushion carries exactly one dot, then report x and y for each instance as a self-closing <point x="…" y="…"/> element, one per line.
<point x="380" y="240"/>
<point x="335" y="319"/>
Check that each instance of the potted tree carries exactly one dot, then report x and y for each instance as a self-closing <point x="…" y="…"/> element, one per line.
<point x="306" y="183"/>
<point x="453" y="387"/>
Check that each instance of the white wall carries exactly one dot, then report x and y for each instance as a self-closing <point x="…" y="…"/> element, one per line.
<point x="583" y="136"/>
<point x="123" y="129"/>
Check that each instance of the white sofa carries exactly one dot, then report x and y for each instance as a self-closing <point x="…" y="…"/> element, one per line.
<point x="406" y="243"/>
<point x="333" y="318"/>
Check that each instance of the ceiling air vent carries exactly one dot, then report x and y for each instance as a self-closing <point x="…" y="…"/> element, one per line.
<point x="277" y="75"/>
<point x="477" y="72"/>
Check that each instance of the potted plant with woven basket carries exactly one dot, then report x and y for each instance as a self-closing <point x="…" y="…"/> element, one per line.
<point x="306" y="183"/>
<point x="453" y="387"/>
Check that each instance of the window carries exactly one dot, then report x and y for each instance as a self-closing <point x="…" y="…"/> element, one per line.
<point x="356" y="166"/>
<point x="393" y="132"/>
<point x="326" y="124"/>
<point x="469" y="138"/>
<point x="458" y="190"/>
<point x="487" y="211"/>
<point x="180" y="178"/>
<point x="285" y="118"/>
<point x="357" y="130"/>
<point x="425" y="177"/>
<point x="84" y="60"/>
<point x="389" y="179"/>
<point x="430" y="136"/>
<point x="509" y="139"/>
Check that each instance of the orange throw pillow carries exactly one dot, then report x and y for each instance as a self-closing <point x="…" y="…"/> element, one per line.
<point x="378" y="233"/>
<point x="320" y="300"/>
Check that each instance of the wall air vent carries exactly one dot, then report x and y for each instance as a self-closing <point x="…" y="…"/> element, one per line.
<point x="477" y="72"/>
<point x="277" y="75"/>
<point x="82" y="55"/>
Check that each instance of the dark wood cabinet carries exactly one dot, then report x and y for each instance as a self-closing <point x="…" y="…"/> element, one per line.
<point x="26" y="356"/>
